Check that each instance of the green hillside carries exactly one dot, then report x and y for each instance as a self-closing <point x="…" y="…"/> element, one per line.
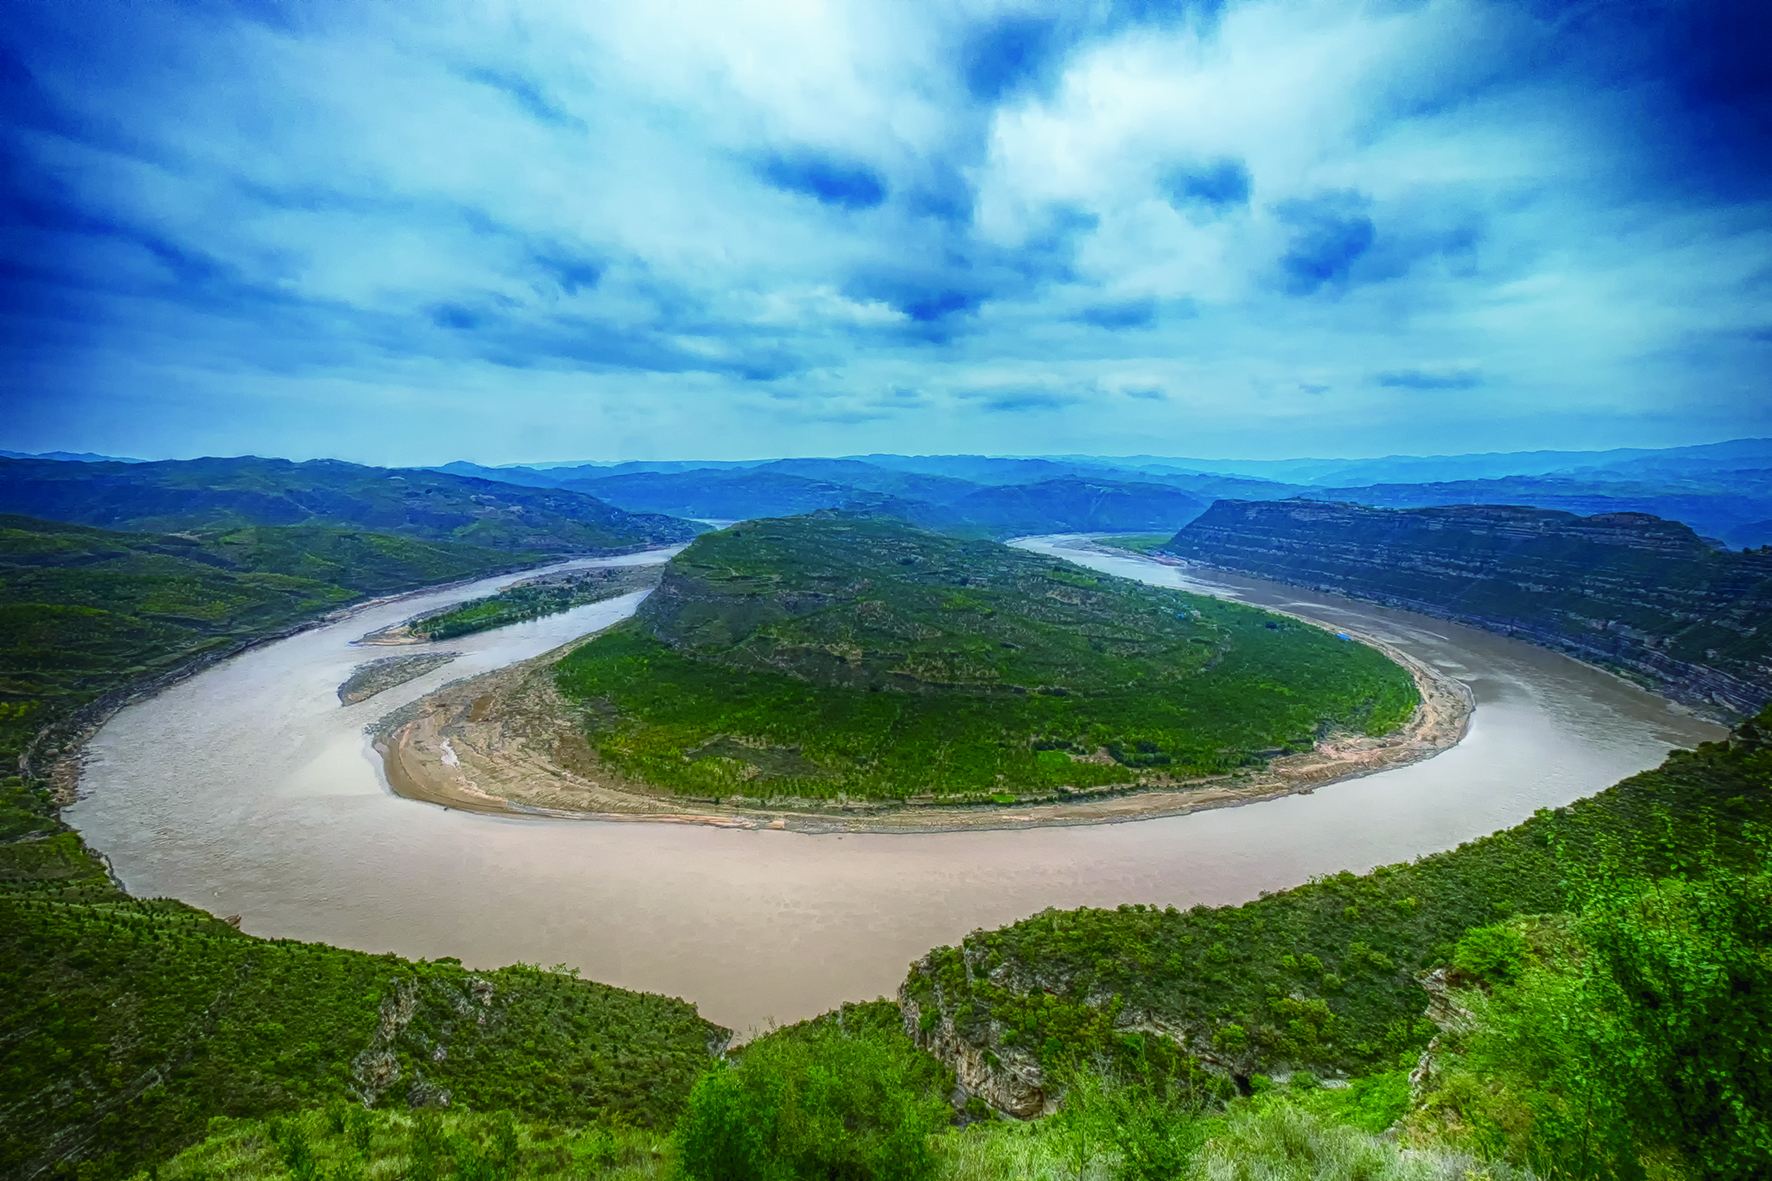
<point x="130" y="1024"/>
<point x="84" y="611"/>
<point x="219" y="495"/>
<point x="818" y="656"/>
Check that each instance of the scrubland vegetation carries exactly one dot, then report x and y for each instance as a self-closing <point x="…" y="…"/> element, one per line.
<point x="819" y="657"/>
<point x="533" y="600"/>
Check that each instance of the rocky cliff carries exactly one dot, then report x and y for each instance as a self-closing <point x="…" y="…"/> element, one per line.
<point x="1631" y="592"/>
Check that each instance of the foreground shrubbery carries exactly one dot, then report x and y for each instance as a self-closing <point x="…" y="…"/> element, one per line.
<point x="1323" y="976"/>
<point x="1634" y="1034"/>
<point x="845" y="1096"/>
<point x="348" y="1143"/>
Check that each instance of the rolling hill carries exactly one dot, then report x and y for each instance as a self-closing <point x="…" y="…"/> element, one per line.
<point x="832" y="655"/>
<point x="222" y="495"/>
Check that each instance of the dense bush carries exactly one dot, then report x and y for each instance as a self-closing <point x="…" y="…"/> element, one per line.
<point x="1638" y="1032"/>
<point x="161" y="1013"/>
<point x="847" y="1098"/>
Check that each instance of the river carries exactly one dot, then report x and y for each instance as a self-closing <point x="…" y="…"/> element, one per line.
<point x="249" y="790"/>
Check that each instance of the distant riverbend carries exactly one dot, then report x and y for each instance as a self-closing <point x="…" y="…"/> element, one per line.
<point x="248" y="789"/>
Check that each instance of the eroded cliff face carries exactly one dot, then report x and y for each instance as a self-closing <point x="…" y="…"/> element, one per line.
<point x="1628" y="591"/>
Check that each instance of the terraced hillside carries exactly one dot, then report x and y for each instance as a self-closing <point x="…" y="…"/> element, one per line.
<point x="1628" y="591"/>
<point x="824" y="656"/>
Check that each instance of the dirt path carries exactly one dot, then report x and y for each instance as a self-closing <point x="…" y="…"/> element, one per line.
<point x="507" y="742"/>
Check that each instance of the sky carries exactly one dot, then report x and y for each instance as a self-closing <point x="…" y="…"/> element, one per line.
<point x="413" y="232"/>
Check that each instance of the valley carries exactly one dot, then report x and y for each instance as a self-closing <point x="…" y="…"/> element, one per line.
<point x="515" y="731"/>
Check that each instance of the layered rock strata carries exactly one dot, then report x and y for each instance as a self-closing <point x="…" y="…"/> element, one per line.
<point x="1631" y="592"/>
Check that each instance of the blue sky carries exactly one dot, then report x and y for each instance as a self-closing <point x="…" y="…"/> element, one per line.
<point x="411" y="232"/>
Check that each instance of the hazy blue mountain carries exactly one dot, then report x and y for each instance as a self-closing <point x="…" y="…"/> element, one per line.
<point x="69" y="456"/>
<point x="717" y="494"/>
<point x="987" y="469"/>
<point x="1715" y="507"/>
<point x="870" y="477"/>
<point x="1076" y="505"/>
<point x="522" y="476"/>
<point x="1723" y="490"/>
<point x="1420" y="469"/>
<point x="214" y="495"/>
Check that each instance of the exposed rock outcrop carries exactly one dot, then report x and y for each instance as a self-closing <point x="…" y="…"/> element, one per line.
<point x="1631" y="592"/>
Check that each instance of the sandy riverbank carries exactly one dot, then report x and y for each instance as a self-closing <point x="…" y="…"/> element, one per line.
<point x="506" y="742"/>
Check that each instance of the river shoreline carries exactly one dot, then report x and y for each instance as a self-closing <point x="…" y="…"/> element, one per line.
<point x="505" y="743"/>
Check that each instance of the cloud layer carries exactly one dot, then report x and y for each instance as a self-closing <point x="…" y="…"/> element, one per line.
<point x="412" y="232"/>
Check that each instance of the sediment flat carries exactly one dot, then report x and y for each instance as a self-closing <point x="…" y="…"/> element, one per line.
<point x="508" y="743"/>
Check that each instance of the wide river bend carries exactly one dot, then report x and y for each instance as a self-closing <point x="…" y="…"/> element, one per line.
<point x="249" y="790"/>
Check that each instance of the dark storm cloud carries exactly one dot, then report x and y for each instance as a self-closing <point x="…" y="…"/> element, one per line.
<point x="1218" y="186"/>
<point x="1008" y="54"/>
<point x="1329" y="234"/>
<point x="1131" y="313"/>
<point x="527" y="94"/>
<point x="827" y="179"/>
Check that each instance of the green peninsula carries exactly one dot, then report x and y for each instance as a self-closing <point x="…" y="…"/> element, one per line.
<point x="828" y="656"/>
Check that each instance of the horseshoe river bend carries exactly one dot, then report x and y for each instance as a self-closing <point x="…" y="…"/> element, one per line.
<point x="247" y="789"/>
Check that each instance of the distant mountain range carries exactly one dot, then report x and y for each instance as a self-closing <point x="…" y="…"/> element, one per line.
<point x="212" y="496"/>
<point x="1722" y="490"/>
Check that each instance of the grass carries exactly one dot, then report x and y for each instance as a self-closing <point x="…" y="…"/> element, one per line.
<point x="827" y="657"/>
<point x="1275" y="1143"/>
<point x="343" y="1142"/>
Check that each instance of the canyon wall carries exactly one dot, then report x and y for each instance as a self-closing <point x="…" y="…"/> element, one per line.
<point x="1631" y="592"/>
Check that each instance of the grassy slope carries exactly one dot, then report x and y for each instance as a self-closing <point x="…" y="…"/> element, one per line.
<point x="818" y="656"/>
<point x="1322" y="976"/>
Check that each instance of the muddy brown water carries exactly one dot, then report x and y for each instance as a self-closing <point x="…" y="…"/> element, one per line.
<point x="249" y="790"/>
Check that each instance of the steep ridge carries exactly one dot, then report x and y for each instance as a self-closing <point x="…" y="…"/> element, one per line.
<point x="1627" y="591"/>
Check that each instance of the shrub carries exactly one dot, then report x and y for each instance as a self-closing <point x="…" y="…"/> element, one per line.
<point x="818" y="1101"/>
<point x="1495" y="955"/>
